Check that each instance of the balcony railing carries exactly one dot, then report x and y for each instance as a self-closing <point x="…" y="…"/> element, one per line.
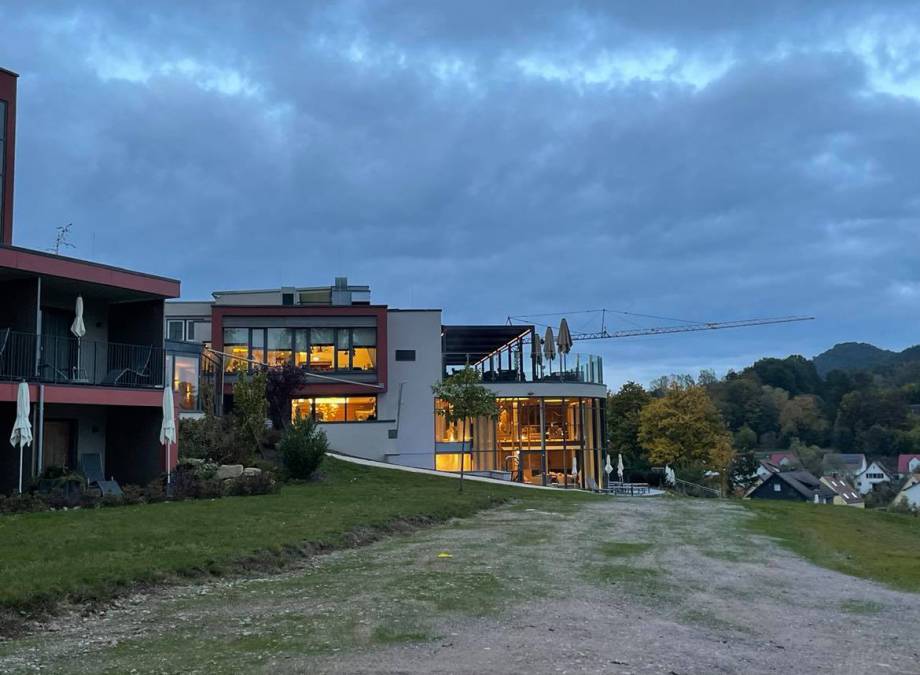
<point x="67" y="360"/>
<point x="520" y="367"/>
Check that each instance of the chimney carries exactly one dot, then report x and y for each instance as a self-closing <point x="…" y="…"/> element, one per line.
<point x="7" y="155"/>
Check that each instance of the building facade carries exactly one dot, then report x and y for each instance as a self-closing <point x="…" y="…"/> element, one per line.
<point x="370" y="370"/>
<point x="100" y="393"/>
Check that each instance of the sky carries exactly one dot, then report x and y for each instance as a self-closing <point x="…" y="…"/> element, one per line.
<point x="706" y="160"/>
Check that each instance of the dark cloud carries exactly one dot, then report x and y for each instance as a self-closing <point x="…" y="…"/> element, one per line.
<point x="707" y="160"/>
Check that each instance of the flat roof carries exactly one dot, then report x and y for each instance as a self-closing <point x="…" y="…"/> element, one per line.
<point x="53" y="265"/>
<point x="474" y="343"/>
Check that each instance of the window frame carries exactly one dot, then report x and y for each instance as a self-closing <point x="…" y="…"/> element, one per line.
<point x="169" y="324"/>
<point x="312" y="404"/>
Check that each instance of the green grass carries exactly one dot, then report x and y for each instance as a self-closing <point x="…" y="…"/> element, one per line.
<point x="884" y="547"/>
<point x="93" y="554"/>
<point x="623" y="549"/>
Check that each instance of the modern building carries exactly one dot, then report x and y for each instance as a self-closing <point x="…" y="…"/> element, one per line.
<point x="370" y="370"/>
<point x="100" y="393"/>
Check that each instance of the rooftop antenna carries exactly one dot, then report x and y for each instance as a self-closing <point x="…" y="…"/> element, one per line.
<point x="61" y="239"/>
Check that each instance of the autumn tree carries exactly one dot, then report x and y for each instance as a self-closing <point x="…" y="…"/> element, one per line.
<point x="684" y="428"/>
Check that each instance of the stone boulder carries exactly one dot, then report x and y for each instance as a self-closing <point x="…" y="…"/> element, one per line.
<point x="252" y="471"/>
<point x="229" y="471"/>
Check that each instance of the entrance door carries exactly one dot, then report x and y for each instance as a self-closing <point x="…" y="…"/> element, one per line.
<point x="58" y="446"/>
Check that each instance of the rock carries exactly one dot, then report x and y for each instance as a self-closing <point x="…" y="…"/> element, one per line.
<point x="252" y="471"/>
<point x="229" y="471"/>
<point x="194" y="461"/>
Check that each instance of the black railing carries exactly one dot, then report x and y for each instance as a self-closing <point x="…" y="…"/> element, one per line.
<point x="67" y="360"/>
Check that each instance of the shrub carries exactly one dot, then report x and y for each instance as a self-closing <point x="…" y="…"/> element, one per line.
<point x="280" y="386"/>
<point x="303" y="447"/>
<point x="262" y="484"/>
<point x="250" y="411"/>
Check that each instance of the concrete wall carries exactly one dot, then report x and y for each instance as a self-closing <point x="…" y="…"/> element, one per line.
<point x="410" y="416"/>
<point x="90" y="426"/>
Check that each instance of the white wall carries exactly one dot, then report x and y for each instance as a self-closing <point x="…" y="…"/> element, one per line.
<point x="865" y="484"/>
<point x="910" y="495"/>
<point x="413" y="418"/>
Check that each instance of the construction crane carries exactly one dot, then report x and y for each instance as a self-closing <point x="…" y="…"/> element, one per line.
<point x="687" y="327"/>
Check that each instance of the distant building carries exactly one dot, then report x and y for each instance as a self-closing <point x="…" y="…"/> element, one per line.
<point x="844" y="493"/>
<point x="873" y="475"/>
<point x="908" y="464"/>
<point x="910" y="493"/>
<point x="765" y="469"/>
<point x="784" y="460"/>
<point x="798" y="486"/>
<point x="843" y="464"/>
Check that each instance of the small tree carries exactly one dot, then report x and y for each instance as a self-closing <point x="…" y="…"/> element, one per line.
<point x="466" y="400"/>
<point x="280" y="387"/>
<point x="303" y="447"/>
<point x="250" y="410"/>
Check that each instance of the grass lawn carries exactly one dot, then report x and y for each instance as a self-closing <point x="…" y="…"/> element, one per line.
<point x="875" y="545"/>
<point x="93" y="554"/>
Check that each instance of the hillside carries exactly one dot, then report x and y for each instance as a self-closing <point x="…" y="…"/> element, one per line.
<point x="853" y="356"/>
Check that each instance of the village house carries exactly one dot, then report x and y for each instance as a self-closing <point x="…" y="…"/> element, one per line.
<point x="872" y="475"/>
<point x="801" y="486"/>
<point x="844" y="493"/>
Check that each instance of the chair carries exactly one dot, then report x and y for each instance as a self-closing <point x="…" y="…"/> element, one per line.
<point x="140" y="368"/>
<point x="91" y="466"/>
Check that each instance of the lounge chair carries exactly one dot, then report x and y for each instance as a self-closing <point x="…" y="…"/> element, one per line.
<point x="91" y="466"/>
<point x="140" y="368"/>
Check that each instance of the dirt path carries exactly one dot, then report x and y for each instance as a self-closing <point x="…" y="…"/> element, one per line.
<point x="664" y="586"/>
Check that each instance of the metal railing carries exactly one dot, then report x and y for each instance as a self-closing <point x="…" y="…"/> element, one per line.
<point x="520" y="367"/>
<point x="68" y="360"/>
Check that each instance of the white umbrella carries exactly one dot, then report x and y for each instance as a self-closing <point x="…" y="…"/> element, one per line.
<point x="575" y="469"/>
<point x="78" y="328"/>
<point x="620" y="466"/>
<point x="168" y="428"/>
<point x="608" y="467"/>
<point x="22" y="429"/>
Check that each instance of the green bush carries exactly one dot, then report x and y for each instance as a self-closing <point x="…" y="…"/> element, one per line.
<point x="303" y="447"/>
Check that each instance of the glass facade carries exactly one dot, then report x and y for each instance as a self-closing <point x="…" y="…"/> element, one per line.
<point x="317" y="349"/>
<point x="336" y="408"/>
<point x="184" y="371"/>
<point x="550" y="441"/>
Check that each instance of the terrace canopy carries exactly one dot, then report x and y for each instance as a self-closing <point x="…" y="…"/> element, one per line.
<point x="471" y="344"/>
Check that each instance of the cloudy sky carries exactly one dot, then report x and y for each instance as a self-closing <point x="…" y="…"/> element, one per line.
<point x="700" y="160"/>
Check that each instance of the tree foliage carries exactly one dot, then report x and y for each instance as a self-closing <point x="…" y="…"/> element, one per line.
<point x="280" y="386"/>
<point x="466" y="400"/>
<point x="684" y="428"/>
<point x="623" y="409"/>
<point x="250" y="410"/>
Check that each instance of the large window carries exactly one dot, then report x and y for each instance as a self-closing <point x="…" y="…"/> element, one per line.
<point x="185" y="381"/>
<point x="175" y="330"/>
<point x="279" y="346"/>
<point x="236" y="346"/>
<point x="336" y="408"/>
<point x="318" y="349"/>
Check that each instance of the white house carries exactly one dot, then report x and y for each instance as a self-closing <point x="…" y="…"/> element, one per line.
<point x="874" y="474"/>
<point x="910" y="493"/>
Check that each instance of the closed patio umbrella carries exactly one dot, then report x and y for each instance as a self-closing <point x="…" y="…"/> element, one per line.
<point x="608" y="468"/>
<point x="78" y="328"/>
<point x="22" y="428"/>
<point x="549" y="347"/>
<point x="620" y="466"/>
<point x="564" y="342"/>
<point x="168" y="433"/>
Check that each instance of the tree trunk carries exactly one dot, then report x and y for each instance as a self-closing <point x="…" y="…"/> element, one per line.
<point x="462" y="453"/>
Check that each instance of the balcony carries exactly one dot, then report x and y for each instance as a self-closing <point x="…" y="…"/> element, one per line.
<point x="67" y="360"/>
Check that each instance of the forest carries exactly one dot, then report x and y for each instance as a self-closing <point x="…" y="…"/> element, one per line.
<point x="866" y="403"/>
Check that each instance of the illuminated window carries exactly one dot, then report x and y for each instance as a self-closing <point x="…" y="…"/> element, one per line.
<point x="449" y="433"/>
<point x="336" y="408"/>
<point x="450" y="461"/>
<point x="343" y="349"/>
<point x="329" y="409"/>
<point x="361" y="408"/>
<point x="279" y="346"/>
<point x="236" y="345"/>
<point x="364" y="349"/>
<point x="301" y="349"/>
<point x="185" y="382"/>
<point x="322" y="349"/>
<point x="258" y="346"/>
<point x="301" y="407"/>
